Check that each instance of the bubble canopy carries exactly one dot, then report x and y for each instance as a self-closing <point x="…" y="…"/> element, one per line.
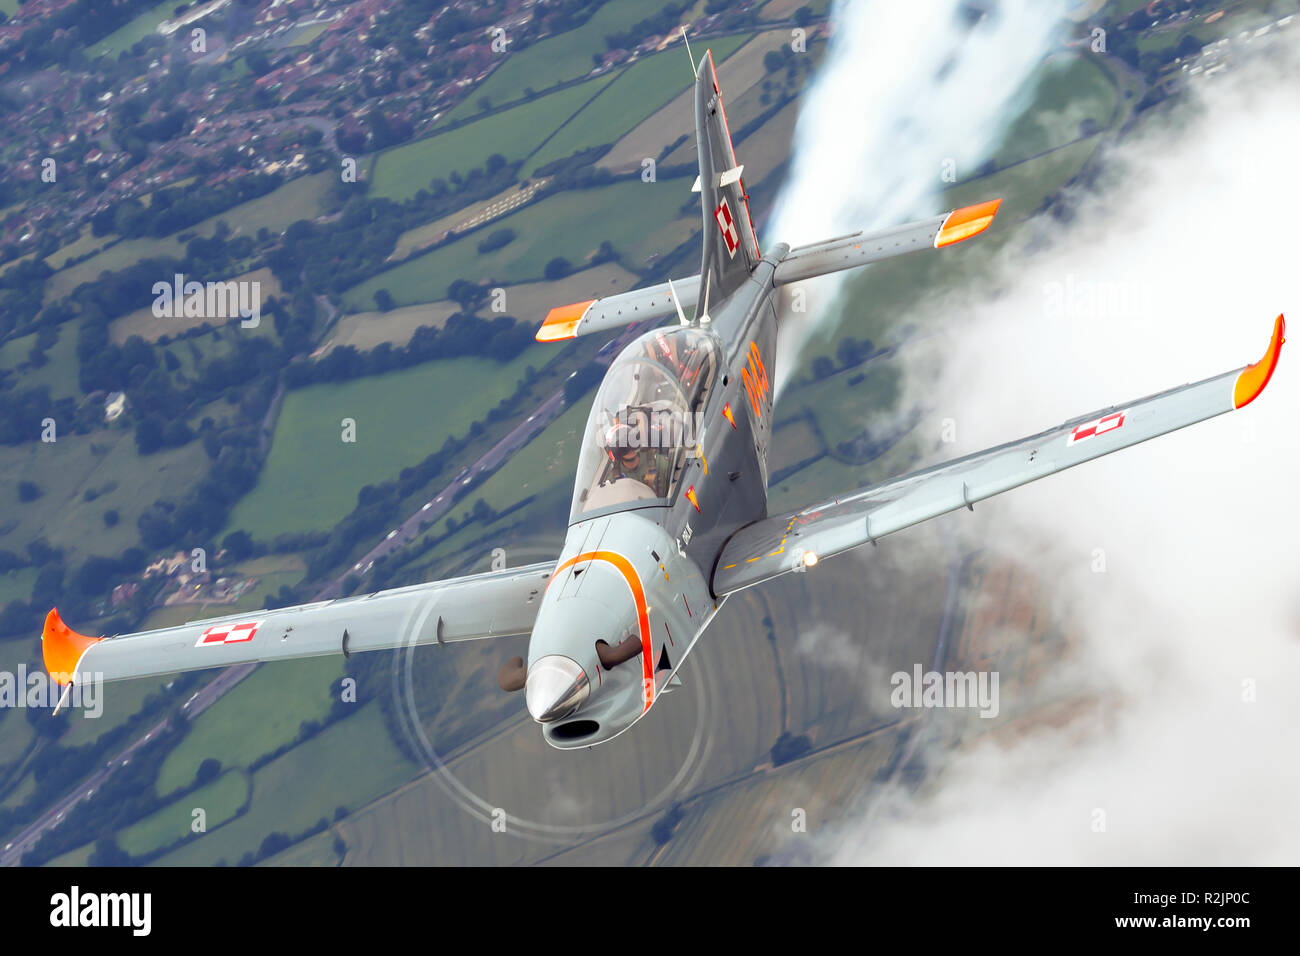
<point x="644" y="423"/>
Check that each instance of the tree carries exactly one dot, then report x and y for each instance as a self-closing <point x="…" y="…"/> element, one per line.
<point x="258" y="63"/>
<point x="1189" y="46"/>
<point x="208" y="771"/>
<point x="273" y="844"/>
<point x="789" y="747"/>
<point x="239" y="545"/>
<point x="557" y="268"/>
<point x="584" y="379"/>
<point x="96" y="575"/>
<point x="662" y="831"/>
<point x="495" y="240"/>
<point x="28" y="491"/>
<point x="149" y="434"/>
<point x="384" y="299"/>
<point x="849" y="352"/>
<point x="108" y="853"/>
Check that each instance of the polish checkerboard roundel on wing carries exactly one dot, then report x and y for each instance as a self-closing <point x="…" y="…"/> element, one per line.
<point x="728" y="227"/>
<point x="1098" y="426"/>
<point x="228" y="634"/>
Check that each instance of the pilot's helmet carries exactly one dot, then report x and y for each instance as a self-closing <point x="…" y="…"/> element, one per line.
<point x="618" y="441"/>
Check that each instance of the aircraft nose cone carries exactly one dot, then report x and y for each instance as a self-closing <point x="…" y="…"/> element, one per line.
<point x="555" y="687"/>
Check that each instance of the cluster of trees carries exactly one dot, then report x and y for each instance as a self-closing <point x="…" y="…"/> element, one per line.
<point x="22" y="287"/>
<point x="72" y="591"/>
<point x="23" y="410"/>
<point x="332" y="257"/>
<point x="203" y="510"/>
<point x="56" y="37"/>
<point x="176" y="207"/>
<point x="161" y="406"/>
<point x="500" y="338"/>
<point x="583" y="380"/>
<point x="379" y="132"/>
<point x="849" y="352"/>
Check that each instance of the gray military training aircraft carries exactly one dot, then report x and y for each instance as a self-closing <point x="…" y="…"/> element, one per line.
<point x="669" y="513"/>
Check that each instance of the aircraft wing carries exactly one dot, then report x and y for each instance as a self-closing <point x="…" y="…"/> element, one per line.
<point x="798" y="539"/>
<point x="494" y="604"/>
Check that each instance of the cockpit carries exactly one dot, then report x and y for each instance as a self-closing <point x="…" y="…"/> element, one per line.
<point x="645" y="421"/>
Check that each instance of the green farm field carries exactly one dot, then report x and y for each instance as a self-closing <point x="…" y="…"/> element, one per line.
<point x="401" y="172"/>
<point x="638" y="91"/>
<point x="126" y="36"/>
<point x="557" y="59"/>
<point x="1071" y="90"/>
<point x="301" y="198"/>
<point x="349" y="764"/>
<point x="262" y="713"/>
<point x="105" y="464"/>
<point x="311" y="477"/>
<point x="637" y="218"/>
<point x="220" y="800"/>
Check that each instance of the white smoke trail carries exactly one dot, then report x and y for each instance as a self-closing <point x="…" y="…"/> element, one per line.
<point x="1194" y="628"/>
<point x="904" y="88"/>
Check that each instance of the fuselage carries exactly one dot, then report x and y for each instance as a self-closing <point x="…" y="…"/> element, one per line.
<point x="639" y="554"/>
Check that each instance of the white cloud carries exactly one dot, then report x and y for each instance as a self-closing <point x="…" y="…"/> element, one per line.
<point x="905" y="87"/>
<point x="1198" y="528"/>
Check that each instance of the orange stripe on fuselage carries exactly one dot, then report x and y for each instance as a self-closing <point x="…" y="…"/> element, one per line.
<point x="624" y="567"/>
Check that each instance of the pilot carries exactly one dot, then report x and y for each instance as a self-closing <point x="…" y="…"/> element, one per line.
<point x="647" y="465"/>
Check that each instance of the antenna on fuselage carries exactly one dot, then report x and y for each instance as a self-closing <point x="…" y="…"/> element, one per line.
<point x="681" y="316"/>
<point x="702" y="307"/>
<point x="694" y="68"/>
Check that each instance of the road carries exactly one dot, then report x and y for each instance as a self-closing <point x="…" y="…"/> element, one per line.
<point x="441" y="503"/>
<point x="435" y="508"/>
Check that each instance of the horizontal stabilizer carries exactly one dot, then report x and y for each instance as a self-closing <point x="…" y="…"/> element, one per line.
<point x="863" y="248"/>
<point x="600" y="315"/>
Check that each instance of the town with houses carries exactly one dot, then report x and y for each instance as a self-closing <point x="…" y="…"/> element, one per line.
<point x="292" y="111"/>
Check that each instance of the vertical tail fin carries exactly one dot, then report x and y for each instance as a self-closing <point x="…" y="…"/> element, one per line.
<point x="730" y="243"/>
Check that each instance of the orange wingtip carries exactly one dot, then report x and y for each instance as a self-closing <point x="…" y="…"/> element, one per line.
<point x="1253" y="378"/>
<point x="62" y="647"/>
<point x="966" y="222"/>
<point x="562" y="322"/>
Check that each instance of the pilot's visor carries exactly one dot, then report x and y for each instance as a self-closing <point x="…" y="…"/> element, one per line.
<point x="555" y="688"/>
